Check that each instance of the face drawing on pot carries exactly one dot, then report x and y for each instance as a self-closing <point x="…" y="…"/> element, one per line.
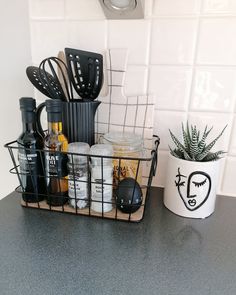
<point x="194" y="189"/>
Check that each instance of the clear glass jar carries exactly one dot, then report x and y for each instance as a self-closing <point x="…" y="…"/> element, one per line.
<point x="126" y="145"/>
<point x="78" y="174"/>
<point x="101" y="177"/>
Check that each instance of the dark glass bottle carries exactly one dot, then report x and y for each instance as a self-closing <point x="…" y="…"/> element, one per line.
<point x="55" y="146"/>
<point x="30" y="159"/>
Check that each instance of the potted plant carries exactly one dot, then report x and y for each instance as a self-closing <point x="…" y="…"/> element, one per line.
<point x="192" y="174"/>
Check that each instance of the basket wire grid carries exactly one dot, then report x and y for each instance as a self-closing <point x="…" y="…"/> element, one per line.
<point x="148" y="162"/>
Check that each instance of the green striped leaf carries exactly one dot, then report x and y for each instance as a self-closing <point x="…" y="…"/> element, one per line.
<point x="201" y="144"/>
<point x="176" y="153"/>
<point x="194" y="144"/>
<point x="180" y="146"/>
<point x="209" y="147"/>
<point x="185" y="137"/>
<point x="213" y="156"/>
<point x="188" y="135"/>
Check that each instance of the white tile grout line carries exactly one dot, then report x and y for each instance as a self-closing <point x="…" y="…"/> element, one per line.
<point x="183" y="65"/>
<point x="192" y="16"/>
<point x="194" y="111"/>
<point x="153" y="17"/>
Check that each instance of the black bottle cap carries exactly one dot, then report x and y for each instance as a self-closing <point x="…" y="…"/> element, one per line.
<point x="54" y="110"/>
<point x="53" y="105"/>
<point x="28" y="109"/>
<point x="27" y="104"/>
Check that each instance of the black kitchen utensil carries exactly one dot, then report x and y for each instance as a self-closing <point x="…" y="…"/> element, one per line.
<point x="85" y="71"/>
<point x="33" y="75"/>
<point x="56" y="66"/>
<point x="64" y="72"/>
<point x="44" y="84"/>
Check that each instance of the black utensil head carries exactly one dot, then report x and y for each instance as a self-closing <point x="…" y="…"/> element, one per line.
<point x="44" y="82"/>
<point x="33" y="75"/>
<point x="58" y="89"/>
<point x="85" y="71"/>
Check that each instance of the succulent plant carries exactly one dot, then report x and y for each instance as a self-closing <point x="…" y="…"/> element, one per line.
<point x="194" y="147"/>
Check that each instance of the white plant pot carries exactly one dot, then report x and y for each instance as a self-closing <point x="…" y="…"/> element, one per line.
<point x="190" y="188"/>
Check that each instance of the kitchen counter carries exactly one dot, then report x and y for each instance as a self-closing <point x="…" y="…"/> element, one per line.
<point x="54" y="253"/>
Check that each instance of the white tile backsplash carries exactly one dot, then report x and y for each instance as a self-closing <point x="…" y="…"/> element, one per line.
<point x="173" y="41"/>
<point x="46" y="9"/>
<point x="171" y="86"/>
<point x="86" y="35"/>
<point x="131" y="34"/>
<point x="183" y="52"/>
<point x="219" y="6"/>
<point x="47" y="39"/>
<point x="232" y="149"/>
<point x="83" y="10"/>
<point x="214" y="89"/>
<point x="229" y="183"/>
<point x="221" y="174"/>
<point x="180" y="7"/>
<point x="160" y="178"/>
<point x="217" y="41"/>
<point x="165" y="120"/>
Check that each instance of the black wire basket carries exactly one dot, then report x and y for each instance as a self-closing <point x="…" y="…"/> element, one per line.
<point x="135" y="212"/>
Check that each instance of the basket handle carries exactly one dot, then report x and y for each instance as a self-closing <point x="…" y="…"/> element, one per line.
<point x="155" y="156"/>
<point x="38" y="118"/>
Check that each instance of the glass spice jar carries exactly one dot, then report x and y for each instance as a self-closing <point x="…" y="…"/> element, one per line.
<point x="78" y="174"/>
<point x="101" y="177"/>
<point x="129" y="145"/>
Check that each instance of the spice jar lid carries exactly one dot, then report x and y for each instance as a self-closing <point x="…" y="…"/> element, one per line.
<point x="78" y="148"/>
<point x="124" y="141"/>
<point x="101" y="150"/>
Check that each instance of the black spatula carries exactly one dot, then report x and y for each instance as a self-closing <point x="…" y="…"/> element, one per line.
<point x="85" y="71"/>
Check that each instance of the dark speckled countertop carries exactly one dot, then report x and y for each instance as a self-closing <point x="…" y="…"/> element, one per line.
<point x="55" y="253"/>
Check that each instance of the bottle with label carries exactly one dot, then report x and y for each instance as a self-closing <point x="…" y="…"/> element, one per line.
<point x="78" y="174"/>
<point x="101" y="177"/>
<point x="30" y="158"/>
<point x="55" y="146"/>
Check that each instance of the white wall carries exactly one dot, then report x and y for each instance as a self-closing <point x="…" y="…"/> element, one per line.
<point x="15" y="56"/>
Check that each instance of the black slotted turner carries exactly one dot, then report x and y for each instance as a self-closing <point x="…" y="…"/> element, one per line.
<point x="85" y="71"/>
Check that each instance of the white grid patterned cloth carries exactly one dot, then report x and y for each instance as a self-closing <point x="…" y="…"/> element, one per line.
<point x="118" y="112"/>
